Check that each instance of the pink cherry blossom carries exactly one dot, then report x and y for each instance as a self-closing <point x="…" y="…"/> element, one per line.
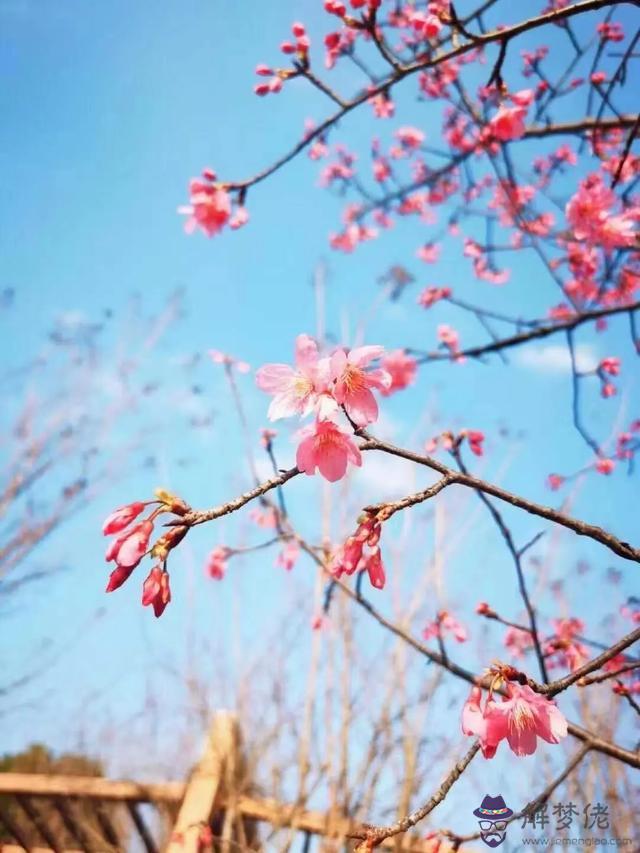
<point x="555" y="481"/>
<point x="300" y="389"/>
<point x="288" y="557"/>
<point x="216" y="565"/>
<point x="361" y="552"/>
<point x="239" y="218"/>
<point x="381" y="169"/>
<point x="426" y="25"/>
<point x="517" y="641"/>
<point x="610" y="31"/>
<point x="402" y="369"/>
<point x="383" y="106"/>
<point x="210" y="208"/>
<point x="156" y="591"/>
<point x="429" y="253"/>
<point x="627" y="689"/>
<point x="327" y="448"/>
<point x="605" y="466"/>
<point x="590" y="213"/>
<point x="410" y="137"/>
<point x="449" y="337"/>
<point x="564" y="649"/>
<point x="608" y="389"/>
<point x="224" y="358"/>
<point x="353" y="234"/>
<point x="431" y="295"/>
<point x="267" y="518"/>
<point x="349" y="555"/>
<point x="475" y="439"/>
<point x="354" y="383"/>
<point x="444" y="621"/>
<point x="631" y="610"/>
<point x="610" y="365"/>
<point x="507" y="124"/>
<point x="520" y="718"/>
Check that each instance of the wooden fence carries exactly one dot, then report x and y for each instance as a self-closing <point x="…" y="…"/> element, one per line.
<point x="207" y="813"/>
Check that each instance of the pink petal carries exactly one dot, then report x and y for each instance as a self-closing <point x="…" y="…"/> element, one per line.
<point x="332" y="462"/>
<point x="273" y="378"/>
<point x="306" y="456"/>
<point x="353" y="454"/>
<point x="284" y="405"/>
<point x="338" y="362"/>
<point x="380" y="379"/>
<point x="523" y="741"/>
<point x="363" y="355"/>
<point x="362" y="407"/>
<point x="306" y="351"/>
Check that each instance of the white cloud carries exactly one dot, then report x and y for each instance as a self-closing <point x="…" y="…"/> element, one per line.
<point x="386" y="477"/>
<point x="555" y="358"/>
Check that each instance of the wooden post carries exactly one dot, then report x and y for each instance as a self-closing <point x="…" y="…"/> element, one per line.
<point x="205" y="784"/>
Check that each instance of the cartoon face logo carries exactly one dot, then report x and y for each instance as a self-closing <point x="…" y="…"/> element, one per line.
<point x="493" y="815"/>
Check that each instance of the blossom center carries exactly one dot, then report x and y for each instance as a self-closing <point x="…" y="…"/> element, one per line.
<point x="354" y="379"/>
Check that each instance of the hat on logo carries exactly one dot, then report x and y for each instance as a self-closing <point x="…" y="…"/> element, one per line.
<point x="493" y="808"/>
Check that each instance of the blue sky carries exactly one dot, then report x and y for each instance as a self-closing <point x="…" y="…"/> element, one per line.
<point x="107" y="112"/>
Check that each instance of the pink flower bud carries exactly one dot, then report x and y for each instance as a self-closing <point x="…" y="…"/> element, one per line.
<point x="122" y="517"/>
<point x="554" y="481"/>
<point x="375" y="569"/>
<point x="605" y="466"/>
<point x="118" y="577"/>
<point x="127" y="550"/>
<point x="156" y="591"/>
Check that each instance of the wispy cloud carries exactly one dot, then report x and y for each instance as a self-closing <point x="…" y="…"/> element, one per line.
<point x="386" y="477"/>
<point x="555" y="358"/>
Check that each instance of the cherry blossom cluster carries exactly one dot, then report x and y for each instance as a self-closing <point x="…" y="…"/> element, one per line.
<point x="563" y="648"/>
<point x="591" y="212"/>
<point x="518" y="641"/>
<point x="361" y="552"/>
<point x="449" y="338"/>
<point x="299" y="48"/>
<point x="211" y="207"/>
<point x="627" y="445"/>
<point x="323" y="386"/>
<point x="451" y="441"/>
<point x="482" y="267"/>
<point x="227" y="360"/>
<point x="520" y="717"/>
<point x="430" y="295"/>
<point x="131" y="544"/>
<point x="217" y="562"/>
<point x="445" y="622"/>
